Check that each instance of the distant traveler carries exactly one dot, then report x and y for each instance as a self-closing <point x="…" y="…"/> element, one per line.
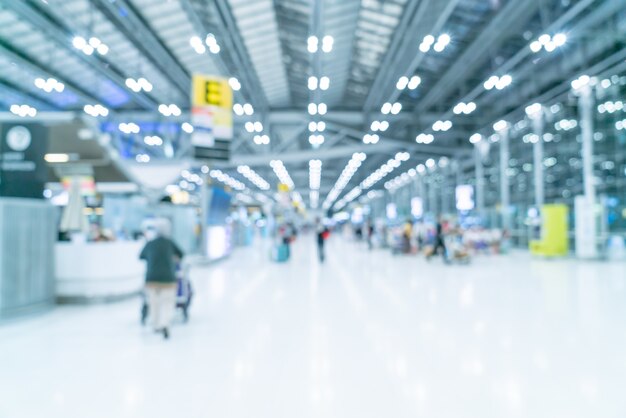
<point x="322" y="235"/>
<point x="370" y="235"/>
<point x="440" y="242"/>
<point x="161" y="255"/>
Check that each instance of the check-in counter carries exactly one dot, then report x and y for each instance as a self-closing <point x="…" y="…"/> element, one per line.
<point x="98" y="271"/>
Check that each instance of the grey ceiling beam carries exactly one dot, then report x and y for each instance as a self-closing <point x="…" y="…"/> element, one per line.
<point x="30" y="98"/>
<point x="38" y="67"/>
<point x="605" y="10"/>
<point x="307" y="155"/>
<point x="139" y="33"/>
<point x="232" y="45"/>
<point x="54" y="29"/>
<point x="404" y="55"/>
<point x="510" y="19"/>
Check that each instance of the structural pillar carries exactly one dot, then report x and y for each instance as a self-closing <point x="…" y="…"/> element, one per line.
<point x="480" y="181"/>
<point x="585" y="215"/>
<point x="538" y="126"/>
<point x="505" y="190"/>
<point x="585" y="103"/>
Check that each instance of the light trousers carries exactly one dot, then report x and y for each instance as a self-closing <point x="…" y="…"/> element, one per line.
<point x="162" y="303"/>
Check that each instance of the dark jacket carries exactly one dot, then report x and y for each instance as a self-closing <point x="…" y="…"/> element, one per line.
<point x="159" y="255"/>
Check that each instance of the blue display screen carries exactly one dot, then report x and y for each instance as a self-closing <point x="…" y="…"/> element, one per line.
<point x="219" y="205"/>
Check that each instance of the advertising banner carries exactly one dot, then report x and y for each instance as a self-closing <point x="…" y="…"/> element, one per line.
<point x="465" y="198"/>
<point x="211" y="110"/>
<point x="23" y="171"/>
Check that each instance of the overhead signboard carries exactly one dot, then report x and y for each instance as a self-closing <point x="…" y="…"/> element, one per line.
<point x="23" y="171"/>
<point x="211" y="110"/>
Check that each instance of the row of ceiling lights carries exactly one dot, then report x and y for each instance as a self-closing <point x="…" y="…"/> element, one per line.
<point x="327" y="44"/>
<point x="253" y="177"/>
<point x="228" y="180"/>
<point x="439" y="44"/>
<point x="315" y="174"/>
<point x="323" y="83"/>
<point x="346" y="175"/>
<point x="89" y="46"/>
<point x="210" y="42"/>
<point x="23" y="110"/>
<point x="282" y="173"/>
<point x="49" y="85"/>
<point x="374" y="178"/>
<point x="549" y="43"/>
<point x="243" y="109"/>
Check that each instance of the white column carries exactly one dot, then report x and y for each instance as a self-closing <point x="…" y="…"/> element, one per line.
<point x="432" y="196"/>
<point x="585" y="215"/>
<point x="480" y="181"/>
<point x="538" y="125"/>
<point x="505" y="190"/>
<point x="585" y="104"/>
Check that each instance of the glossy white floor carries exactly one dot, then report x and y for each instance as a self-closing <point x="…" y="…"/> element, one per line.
<point x="365" y="335"/>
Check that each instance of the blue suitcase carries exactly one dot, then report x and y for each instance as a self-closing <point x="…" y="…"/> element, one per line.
<point x="281" y="253"/>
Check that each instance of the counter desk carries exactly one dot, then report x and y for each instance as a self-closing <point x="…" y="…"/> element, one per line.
<point x="98" y="271"/>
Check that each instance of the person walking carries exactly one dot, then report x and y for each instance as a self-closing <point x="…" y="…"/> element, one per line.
<point x="161" y="255"/>
<point x="322" y="233"/>
<point x="440" y="241"/>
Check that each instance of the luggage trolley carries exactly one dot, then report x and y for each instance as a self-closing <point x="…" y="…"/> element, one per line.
<point x="184" y="295"/>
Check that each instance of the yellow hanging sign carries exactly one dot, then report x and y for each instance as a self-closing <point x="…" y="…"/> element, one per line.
<point x="211" y="109"/>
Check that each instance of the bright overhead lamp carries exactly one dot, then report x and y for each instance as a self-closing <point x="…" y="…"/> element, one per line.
<point x="57" y="158"/>
<point x="234" y="84"/>
<point x="402" y="83"/>
<point x="248" y="109"/>
<point x="386" y="108"/>
<point x="327" y="43"/>
<point x="312" y="44"/>
<point x="476" y="138"/>
<point x="324" y="83"/>
<point x="414" y="82"/>
<point x="187" y="127"/>
<point x="312" y="109"/>
<point x="312" y="84"/>
<point x="322" y="108"/>
<point x="500" y="126"/>
<point x="238" y="109"/>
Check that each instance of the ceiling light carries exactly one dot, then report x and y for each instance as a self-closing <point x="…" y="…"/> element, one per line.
<point x="312" y="109"/>
<point x="249" y="127"/>
<point x="312" y="83"/>
<point x="559" y="39"/>
<point x="384" y="125"/>
<point x="322" y="109"/>
<point x="327" y="43"/>
<point x="248" y="109"/>
<point x="258" y="126"/>
<point x="187" y="127"/>
<point x="79" y="42"/>
<point x="396" y="108"/>
<point x="402" y="83"/>
<point x="500" y="125"/>
<point x="324" y="83"/>
<point x="234" y="84"/>
<point x="238" y="109"/>
<point x="535" y="46"/>
<point x="414" y="82"/>
<point x="23" y="110"/>
<point x="386" y="108"/>
<point x="312" y="44"/>
<point x="476" y="138"/>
